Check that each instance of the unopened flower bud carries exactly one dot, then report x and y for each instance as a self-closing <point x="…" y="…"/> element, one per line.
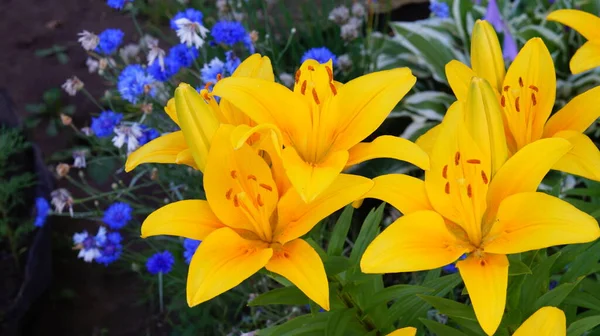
<point x="62" y="169"/>
<point x="66" y="120"/>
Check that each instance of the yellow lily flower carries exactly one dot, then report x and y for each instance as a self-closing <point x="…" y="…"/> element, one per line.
<point x="198" y="115"/>
<point x="246" y="223"/>
<point x="408" y="331"/>
<point x="546" y="321"/>
<point x="463" y="207"/>
<point x="323" y="121"/>
<point x="526" y="94"/>
<point x="588" y="56"/>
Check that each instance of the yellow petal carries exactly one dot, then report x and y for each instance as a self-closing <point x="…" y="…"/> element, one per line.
<point x="403" y="192"/>
<point x="387" y="146"/>
<point x="171" y="111"/>
<point x="296" y="217"/>
<point x="529" y="92"/>
<point x="428" y="139"/>
<point x="221" y="262"/>
<point x="547" y="321"/>
<point x="163" y="149"/>
<point x="459" y="76"/>
<point x="415" y="242"/>
<point x="584" y="23"/>
<point x="531" y="221"/>
<point x="268" y="102"/>
<point x="190" y="219"/>
<point x="525" y="170"/>
<point x="581" y="112"/>
<point x="486" y="279"/>
<point x="311" y="179"/>
<point x="587" y="57"/>
<point x="185" y="157"/>
<point x="298" y="262"/>
<point x="408" y="331"/>
<point x="583" y="159"/>
<point x="255" y="66"/>
<point x="198" y="122"/>
<point x="239" y="185"/>
<point x="483" y="118"/>
<point x="362" y="104"/>
<point x="486" y="54"/>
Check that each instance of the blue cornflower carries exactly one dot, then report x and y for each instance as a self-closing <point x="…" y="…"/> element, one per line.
<point x="249" y="45"/>
<point x="42" y="208"/>
<point x="89" y="246"/>
<point x="210" y="71"/>
<point x="171" y="68"/>
<point x="493" y="15"/>
<point x="228" y="32"/>
<point x="104" y="124"/>
<point x="509" y="46"/>
<point x="117" y="4"/>
<point x="110" y="40"/>
<point x="552" y="284"/>
<point x="183" y="55"/>
<point x="133" y="82"/>
<point x="321" y="55"/>
<point x="191" y="14"/>
<point x="189" y="248"/>
<point x="160" y="262"/>
<point x="451" y="268"/>
<point x="117" y="215"/>
<point x="148" y="134"/>
<point x="439" y="9"/>
<point x="231" y="62"/>
<point x="110" y="249"/>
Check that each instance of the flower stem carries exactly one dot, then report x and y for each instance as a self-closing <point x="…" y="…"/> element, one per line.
<point x="160" y="291"/>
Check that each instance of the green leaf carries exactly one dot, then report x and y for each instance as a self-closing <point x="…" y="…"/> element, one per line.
<point x="556" y="296"/>
<point x="583" y="264"/>
<point x="396" y="292"/>
<point x="285" y="296"/>
<point x="368" y="231"/>
<point x="518" y="267"/>
<point x="101" y="169"/>
<point x="440" y="329"/>
<point x="336" y="264"/>
<point x="536" y="285"/>
<point x="35" y="108"/>
<point x="340" y="231"/>
<point x="62" y="58"/>
<point x="450" y="307"/>
<point x="51" y="129"/>
<point x="299" y="326"/>
<point x="338" y="322"/>
<point x="579" y="327"/>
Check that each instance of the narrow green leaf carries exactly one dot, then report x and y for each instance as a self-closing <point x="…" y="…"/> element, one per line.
<point x="396" y="292"/>
<point x="338" y="322"/>
<point x="536" y="285"/>
<point x="340" y="231"/>
<point x="556" y="296"/>
<point x="450" y="307"/>
<point x="369" y="230"/>
<point x="441" y="329"/>
<point x="518" y="267"/>
<point x="579" y="327"/>
<point x="336" y="264"/>
<point x="285" y="296"/>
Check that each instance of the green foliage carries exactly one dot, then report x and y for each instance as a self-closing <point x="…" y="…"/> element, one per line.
<point x="49" y="110"/>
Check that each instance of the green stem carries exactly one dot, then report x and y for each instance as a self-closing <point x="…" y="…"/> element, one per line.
<point x="160" y="292"/>
<point x="349" y="302"/>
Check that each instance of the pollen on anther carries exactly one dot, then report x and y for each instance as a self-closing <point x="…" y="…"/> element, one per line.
<point x="445" y="172"/>
<point x="330" y="73"/>
<point x="457" y="158"/>
<point x="484" y="177"/>
<point x="315" y="96"/>
<point x="520" y="82"/>
<point x="506" y="88"/>
<point x="219" y="77"/>
<point x="447" y="188"/>
<point x="533" y="99"/>
<point x="236" y="203"/>
<point x="259" y="200"/>
<point x="517" y="104"/>
<point x="333" y="89"/>
<point x="503" y="101"/>
<point x="297" y="77"/>
<point x="311" y="68"/>
<point x="469" y="191"/>
<point x="251" y="177"/>
<point x="233" y="174"/>
<point x="303" y="88"/>
<point x="266" y="186"/>
<point x="207" y="86"/>
<point x="534" y="88"/>
<point x="474" y="161"/>
<point x="228" y="193"/>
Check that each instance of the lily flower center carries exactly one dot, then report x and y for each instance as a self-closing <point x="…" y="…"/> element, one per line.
<point x="519" y="103"/>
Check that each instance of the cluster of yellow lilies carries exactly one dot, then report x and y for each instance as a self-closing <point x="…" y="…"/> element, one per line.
<point x="272" y="162"/>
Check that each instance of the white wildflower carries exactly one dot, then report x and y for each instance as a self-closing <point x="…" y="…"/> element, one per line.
<point x="61" y="198"/>
<point x="344" y="62"/>
<point x="223" y="7"/>
<point x="92" y="64"/>
<point x="351" y="30"/>
<point x="72" y="85"/>
<point x="127" y="135"/>
<point x="156" y="53"/>
<point x="358" y="10"/>
<point x="190" y="32"/>
<point x="89" y="246"/>
<point x="87" y="131"/>
<point x="129" y="52"/>
<point x="286" y="79"/>
<point x="79" y="158"/>
<point x="89" y="41"/>
<point x="105" y="63"/>
<point x="148" y="40"/>
<point x="339" y="15"/>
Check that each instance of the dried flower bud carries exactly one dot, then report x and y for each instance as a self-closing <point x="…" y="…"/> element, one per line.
<point x="154" y="174"/>
<point x="254" y="36"/>
<point x="114" y="186"/>
<point x="62" y="169"/>
<point x="66" y="120"/>
<point x="146" y="108"/>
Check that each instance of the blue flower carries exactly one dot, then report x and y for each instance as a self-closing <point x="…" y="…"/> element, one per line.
<point x="110" y="249"/>
<point x="321" y="55"/>
<point x="493" y="15"/>
<point x="42" y="208"/>
<point x="228" y="32"/>
<point x="249" y="45"/>
<point x="231" y="62"/>
<point x="133" y="82"/>
<point x="439" y="9"/>
<point x="189" y="248"/>
<point x="117" y="4"/>
<point x="160" y="262"/>
<point x="451" y="268"/>
<point x="104" y="124"/>
<point x="110" y="40"/>
<point x="183" y="55"/>
<point x="190" y="14"/>
<point x="171" y="68"/>
<point x="89" y="246"/>
<point x="117" y="215"/>
<point x="210" y="70"/>
<point x="509" y="46"/>
<point x="148" y="134"/>
<point x="552" y="284"/>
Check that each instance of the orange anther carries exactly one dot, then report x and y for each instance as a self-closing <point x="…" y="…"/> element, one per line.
<point x="517" y="104"/>
<point x="457" y="158"/>
<point x="297" y="77"/>
<point x="506" y="88"/>
<point x="303" y="88"/>
<point x="473" y="161"/>
<point x="333" y="89"/>
<point x="311" y="68"/>
<point x="315" y="96"/>
<point x="447" y="188"/>
<point x="251" y="177"/>
<point x="503" y="101"/>
<point x="259" y="200"/>
<point x="484" y="177"/>
<point x="520" y="82"/>
<point x="445" y="172"/>
<point x="330" y="73"/>
<point x="236" y="203"/>
<point x="233" y="174"/>
<point x="533" y="99"/>
<point x="469" y="191"/>
<point x="219" y="77"/>
<point x="266" y="186"/>
<point x="228" y="194"/>
<point x="534" y="88"/>
<point x="207" y="86"/>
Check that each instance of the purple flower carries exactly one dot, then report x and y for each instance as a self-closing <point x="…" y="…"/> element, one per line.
<point x="509" y="46"/>
<point x="110" y="249"/>
<point x="493" y="15"/>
